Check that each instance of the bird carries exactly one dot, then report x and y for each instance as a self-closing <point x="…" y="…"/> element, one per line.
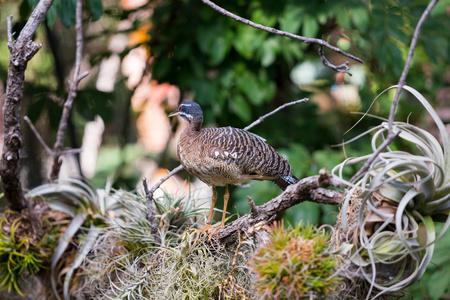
<point x="220" y="156"/>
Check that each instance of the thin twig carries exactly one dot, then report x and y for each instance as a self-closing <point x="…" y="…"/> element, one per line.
<point x="344" y="68"/>
<point x="38" y="136"/>
<point x="57" y="148"/>
<point x="162" y="180"/>
<point x="412" y="48"/>
<point x="260" y="119"/>
<point x="391" y="135"/>
<point x="9" y="28"/>
<point x="151" y="212"/>
<point x="306" y="40"/>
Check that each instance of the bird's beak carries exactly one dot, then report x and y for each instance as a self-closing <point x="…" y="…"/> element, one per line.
<point x="174" y="113"/>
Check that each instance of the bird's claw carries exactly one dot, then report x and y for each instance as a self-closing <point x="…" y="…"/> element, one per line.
<point x="208" y="230"/>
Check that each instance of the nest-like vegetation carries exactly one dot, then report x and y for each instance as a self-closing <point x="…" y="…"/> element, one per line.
<point x="126" y="263"/>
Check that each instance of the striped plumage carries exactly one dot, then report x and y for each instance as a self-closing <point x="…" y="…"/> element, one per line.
<point x="227" y="155"/>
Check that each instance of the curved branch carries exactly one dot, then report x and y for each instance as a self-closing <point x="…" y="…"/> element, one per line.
<point x="303" y="39"/>
<point x="307" y="189"/>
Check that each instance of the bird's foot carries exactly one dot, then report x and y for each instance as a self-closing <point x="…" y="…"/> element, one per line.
<point x="208" y="230"/>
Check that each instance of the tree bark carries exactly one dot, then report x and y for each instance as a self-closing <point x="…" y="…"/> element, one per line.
<point x="22" y="50"/>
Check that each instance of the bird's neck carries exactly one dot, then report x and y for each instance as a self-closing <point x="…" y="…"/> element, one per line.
<point x="195" y="125"/>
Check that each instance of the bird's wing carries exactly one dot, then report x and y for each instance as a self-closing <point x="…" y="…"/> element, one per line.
<point x="246" y="150"/>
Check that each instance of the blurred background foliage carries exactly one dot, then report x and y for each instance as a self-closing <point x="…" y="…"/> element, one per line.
<point x="235" y="72"/>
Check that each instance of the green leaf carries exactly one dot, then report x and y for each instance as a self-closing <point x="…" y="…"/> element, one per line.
<point x="243" y="42"/>
<point x="439" y="282"/>
<point x="396" y="58"/>
<point x="96" y="8"/>
<point x="66" y="12"/>
<point x="249" y="85"/>
<point x="269" y="50"/>
<point x="310" y="26"/>
<point x="241" y="108"/>
<point x="342" y="18"/>
<point x="261" y="17"/>
<point x="291" y="19"/>
<point x="51" y="16"/>
<point x="360" y="17"/>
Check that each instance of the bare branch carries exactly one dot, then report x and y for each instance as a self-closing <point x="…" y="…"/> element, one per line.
<point x="9" y="29"/>
<point x="35" y="20"/>
<point x="391" y="135"/>
<point x="162" y="180"/>
<point x="307" y="189"/>
<point x="22" y="50"/>
<point x="260" y="119"/>
<point x="57" y="148"/>
<point x="303" y="39"/>
<point x="412" y="48"/>
<point x="38" y="136"/>
<point x="151" y="212"/>
<point x="344" y="68"/>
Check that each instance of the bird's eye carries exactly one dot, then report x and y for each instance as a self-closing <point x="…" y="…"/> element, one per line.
<point x="179" y="107"/>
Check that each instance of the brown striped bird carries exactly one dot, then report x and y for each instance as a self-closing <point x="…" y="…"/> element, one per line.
<point x="227" y="155"/>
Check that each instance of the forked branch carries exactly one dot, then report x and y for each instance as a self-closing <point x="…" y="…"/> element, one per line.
<point x="340" y="68"/>
<point x="57" y="148"/>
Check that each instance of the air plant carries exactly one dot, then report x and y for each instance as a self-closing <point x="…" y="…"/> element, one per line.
<point x="392" y="234"/>
<point x="87" y="208"/>
<point x="136" y="267"/>
<point x="295" y="263"/>
<point x="26" y="243"/>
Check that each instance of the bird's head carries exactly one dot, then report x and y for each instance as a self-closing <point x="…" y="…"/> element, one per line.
<point x="190" y="111"/>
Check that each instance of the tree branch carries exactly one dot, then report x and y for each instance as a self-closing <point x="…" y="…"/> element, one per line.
<point x="72" y="94"/>
<point x="391" y="134"/>
<point x="261" y="119"/>
<point x="38" y="136"/>
<point x="341" y="68"/>
<point x="22" y="50"/>
<point x="151" y="212"/>
<point x="307" y="189"/>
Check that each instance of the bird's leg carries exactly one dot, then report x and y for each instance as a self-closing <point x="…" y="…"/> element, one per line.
<point x="214" y="200"/>
<point x="208" y="226"/>
<point x="226" y="197"/>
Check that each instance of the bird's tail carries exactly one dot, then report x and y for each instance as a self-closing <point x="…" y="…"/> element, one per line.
<point x="285" y="181"/>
